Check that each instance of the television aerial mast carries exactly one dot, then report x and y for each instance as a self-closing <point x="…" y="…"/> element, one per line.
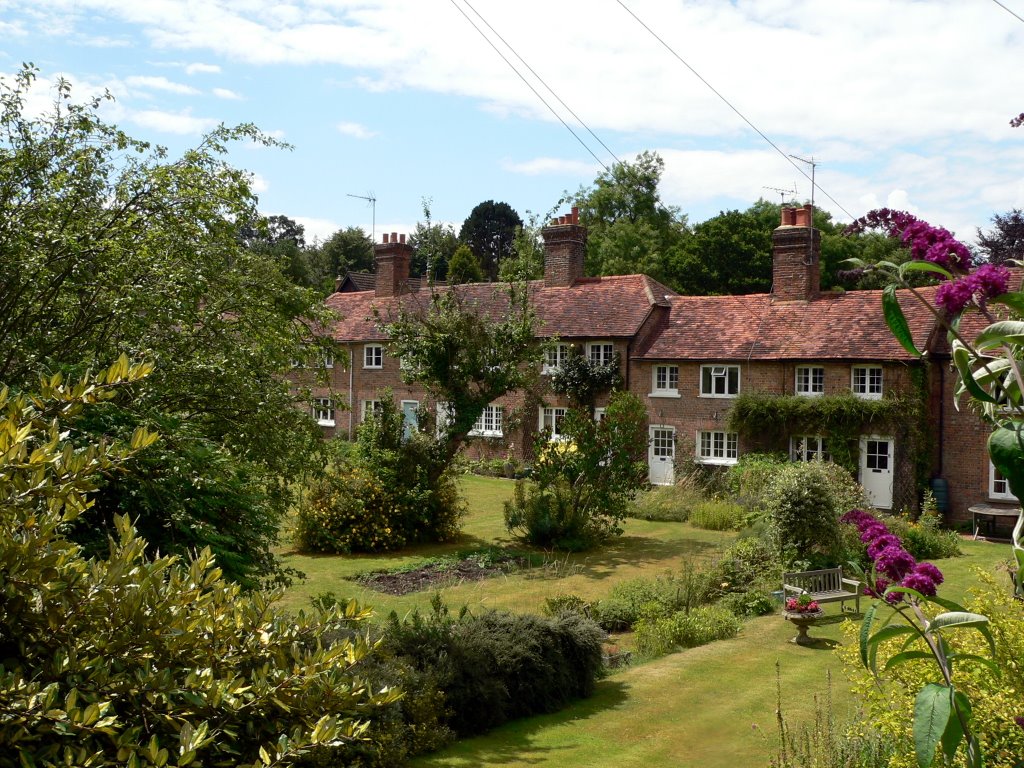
<point x="784" y="192"/>
<point x="814" y="164"/>
<point x="372" y="200"/>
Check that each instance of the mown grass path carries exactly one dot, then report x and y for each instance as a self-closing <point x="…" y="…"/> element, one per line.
<point x="709" y="707"/>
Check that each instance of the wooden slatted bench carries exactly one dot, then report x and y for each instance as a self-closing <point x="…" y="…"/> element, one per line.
<point x="825" y="586"/>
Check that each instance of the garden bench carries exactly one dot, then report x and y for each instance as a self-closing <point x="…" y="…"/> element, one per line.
<point x="825" y="586"/>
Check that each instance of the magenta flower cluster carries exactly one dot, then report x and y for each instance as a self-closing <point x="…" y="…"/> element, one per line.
<point x="893" y="564"/>
<point x="986" y="282"/>
<point x="926" y="242"/>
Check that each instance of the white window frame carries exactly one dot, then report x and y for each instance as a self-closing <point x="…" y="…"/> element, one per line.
<point x="866" y="371"/>
<point x="323" y="411"/>
<point x="720" y="372"/>
<point x="599" y="414"/>
<point x="490" y="423"/>
<point x="809" y="387"/>
<point x="808" y="448"/>
<point x="444" y="418"/>
<point x="603" y="351"/>
<point x="373" y="356"/>
<point x="554" y="356"/>
<point x="714" y="446"/>
<point x="550" y="417"/>
<point x="664" y="381"/>
<point x="328" y="359"/>
<point x="998" y="486"/>
<point x="370" y="405"/>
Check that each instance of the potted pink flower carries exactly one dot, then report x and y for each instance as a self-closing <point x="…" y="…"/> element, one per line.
<point x="802" y="604"/>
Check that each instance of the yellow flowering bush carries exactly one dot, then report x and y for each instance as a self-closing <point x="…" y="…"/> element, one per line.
<point x="997" y="700"/>
<point x="392" y="490"/>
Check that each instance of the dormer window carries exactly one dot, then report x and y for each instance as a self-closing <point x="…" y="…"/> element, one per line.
<point x="810" y="380"/>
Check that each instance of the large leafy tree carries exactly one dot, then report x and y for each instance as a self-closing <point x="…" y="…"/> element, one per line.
<point x="490" y="231"/>
<point x="1006" y="238"/>
<point x="347" y="250"/>
<point x="111" y="247"/>
<point x="629" y="229"/>
<point x="434" y="244"/>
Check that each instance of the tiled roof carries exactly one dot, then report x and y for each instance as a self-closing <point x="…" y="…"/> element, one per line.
<point x="839" y="326"/>
<point x="595" y="307"/>
<point x="365" y="281"/>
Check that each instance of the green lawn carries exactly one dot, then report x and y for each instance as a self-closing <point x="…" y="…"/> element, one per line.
<point x="712" y="707"/>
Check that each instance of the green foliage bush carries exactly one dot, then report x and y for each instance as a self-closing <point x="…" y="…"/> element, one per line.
<point x="995" y="698"/>
<point x="717" y="515"/>
<point x="668" y="503"/>
<point x="756" y="601"/>
<point x="630" y="600"/>
<point x="924" y="538"/>
<point x="130" y="661"/>
<point x="802" y="505"/>
<point x="581" y="487"/>
<point x="499" y="666"/>
<point x="658" y="636"/>
<point x="563" y="603"/>
<point x="390" y="492"/>
<point x="748" y="479"/>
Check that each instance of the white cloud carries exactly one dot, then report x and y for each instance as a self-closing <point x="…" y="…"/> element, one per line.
<point x="225" y="93"/>
<point x="146" y="82"/>
<point x="258" y="183"/>
<point x="355" y="130"/>
<point x="317" y="229"/>
<point x="199" y="68"/>
<point x="551" y="165"/>
<point x="171" y="122"/>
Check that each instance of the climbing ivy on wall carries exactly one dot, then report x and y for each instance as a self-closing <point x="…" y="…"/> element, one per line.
<point x="841" y="419"/>
<point x="581" y="379"/>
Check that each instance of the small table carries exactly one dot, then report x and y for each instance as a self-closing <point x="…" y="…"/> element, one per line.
<point x="987" y="514"/>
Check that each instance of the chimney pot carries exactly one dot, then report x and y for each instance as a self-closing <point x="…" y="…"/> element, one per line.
<point x="394" y="237"/>
<point x="401" y="238"/>
<point x="575" y="214"/>
<point x="385" y="237"/>
<point x="788" y="216"/>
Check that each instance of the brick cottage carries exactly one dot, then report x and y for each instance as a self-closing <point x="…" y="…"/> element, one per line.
<point x="689" y="358"/>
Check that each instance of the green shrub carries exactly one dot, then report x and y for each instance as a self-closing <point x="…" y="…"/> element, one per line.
<point x="669" y="503"/>
<point x="389" y="492"/>
<point x="500" y="666"/>
<point x="749" y="478"/>
<point x="562" y="603"/>
<point x="631" y="600"/>
<point x="583" y="486"/>
<point x="125" y="660"/>
<point x="656" y="637"/>
<point x="924" y="538"/>
<point x="752" y="602"/>
<point x="995" y="698"/>
<point x="802" y="504"/>
<point x="748" y="561"/>
<point x="717" y="516"/>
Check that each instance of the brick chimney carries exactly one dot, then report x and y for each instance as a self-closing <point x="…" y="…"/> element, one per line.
<point x="796" y="256"/>
<point x="392" y="258"/>
<point x="565" y="244"/>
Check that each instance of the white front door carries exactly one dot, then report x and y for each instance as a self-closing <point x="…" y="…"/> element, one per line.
<point x="661" y="455"/>
<point x="410" y="412"/>
<point x="876" y="469"/>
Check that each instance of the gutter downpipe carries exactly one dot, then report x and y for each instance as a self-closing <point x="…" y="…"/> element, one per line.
<point x="351" y="389"/>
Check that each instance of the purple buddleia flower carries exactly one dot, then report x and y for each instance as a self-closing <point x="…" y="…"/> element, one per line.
<point x="986" y="282"/>
<point x="920" y="582"/>
<point x="954" y="296"/>
<point x="895" y="562"/>
<point x="929" y="571"/>
<point x="926" y="242"/>
<point x="886" y="539"/>
<point x="872" y="531"/>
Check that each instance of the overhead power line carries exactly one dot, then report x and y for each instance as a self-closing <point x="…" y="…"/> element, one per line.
<point x="542" y="81"/>
<point x="1018" y="18"/>
<point x="729" y="104"/>
<point x="529" y="84"/>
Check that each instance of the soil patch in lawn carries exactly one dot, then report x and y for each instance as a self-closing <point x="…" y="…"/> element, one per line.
<point x="442" y="573"/>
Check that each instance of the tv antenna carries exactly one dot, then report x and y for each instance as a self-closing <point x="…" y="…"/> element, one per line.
<point x="814" y="164"/>
<point x="784" y="192"/>
<point x="372" y="200"/>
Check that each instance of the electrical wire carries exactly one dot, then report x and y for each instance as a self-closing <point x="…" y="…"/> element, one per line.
<point x="729" y="104"/>
<point x="530" y="85"/>
<point x="542" y="82"/>
<point x="1018" y="18"/>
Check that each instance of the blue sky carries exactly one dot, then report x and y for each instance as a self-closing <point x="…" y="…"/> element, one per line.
<point x="903" y="103"/>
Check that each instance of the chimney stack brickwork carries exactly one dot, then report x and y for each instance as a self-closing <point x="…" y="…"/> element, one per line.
<point x="796" y="256"/>
<point x="565" y="245"/>
<point x="392" y="258"/>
